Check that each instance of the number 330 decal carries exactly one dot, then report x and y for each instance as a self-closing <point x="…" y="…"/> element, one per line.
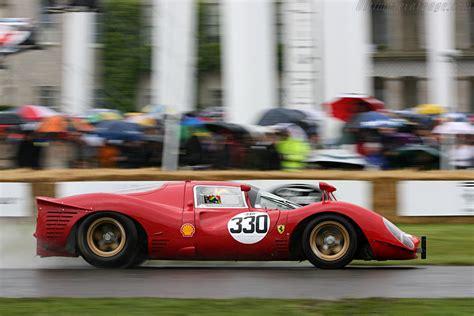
<point x="249" y="227"/>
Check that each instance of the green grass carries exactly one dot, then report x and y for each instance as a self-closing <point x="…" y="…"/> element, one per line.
<point x="153" y="306"/>
<point x="450" y="244"/>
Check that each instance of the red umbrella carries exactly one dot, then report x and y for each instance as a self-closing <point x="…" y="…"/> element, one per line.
<point x="345" y="107"/>
<point x="35" y="112"/>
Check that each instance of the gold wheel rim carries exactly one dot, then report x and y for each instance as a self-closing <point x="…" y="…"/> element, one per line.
<point x="106" y="237"/>
<point x="329" y="240"/>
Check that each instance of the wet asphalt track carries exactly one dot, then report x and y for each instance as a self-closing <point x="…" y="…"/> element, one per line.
<point x="213" y="280"/>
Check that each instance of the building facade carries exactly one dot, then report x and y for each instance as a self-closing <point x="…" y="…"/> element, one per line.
<point x="397" y="33"/>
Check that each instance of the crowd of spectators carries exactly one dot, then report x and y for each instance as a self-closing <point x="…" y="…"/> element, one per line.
<point x="211" y="143"/>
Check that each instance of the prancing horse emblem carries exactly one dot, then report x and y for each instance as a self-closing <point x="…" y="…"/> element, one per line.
<point x="281" y="229"/>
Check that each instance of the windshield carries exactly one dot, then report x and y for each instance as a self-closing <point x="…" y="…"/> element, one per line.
<point x="263" y="199"/>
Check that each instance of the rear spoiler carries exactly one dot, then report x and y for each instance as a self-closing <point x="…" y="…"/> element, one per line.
<point x="328" y="190"/>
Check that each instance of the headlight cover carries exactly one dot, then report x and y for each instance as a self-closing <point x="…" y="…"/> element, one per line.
<point x="398" y="233"/>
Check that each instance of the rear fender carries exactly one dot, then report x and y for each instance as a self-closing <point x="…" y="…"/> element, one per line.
<point x="53" y="226"/>
<point x="57" y="218"/>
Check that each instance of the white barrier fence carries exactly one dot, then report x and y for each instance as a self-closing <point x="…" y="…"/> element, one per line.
<point x="15" y="199"/>
<point x="435" y="198"/>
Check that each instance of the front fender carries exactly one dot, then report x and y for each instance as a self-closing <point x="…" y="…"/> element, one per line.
<point x="370" y="223"/>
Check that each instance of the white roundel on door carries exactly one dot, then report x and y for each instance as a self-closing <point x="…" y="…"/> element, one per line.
<point x="249" y="227"/>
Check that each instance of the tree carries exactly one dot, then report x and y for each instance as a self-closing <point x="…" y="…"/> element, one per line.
<point x="125" y="54"/>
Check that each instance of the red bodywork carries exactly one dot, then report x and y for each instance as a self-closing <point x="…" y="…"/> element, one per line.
<point x="162" y="213"/>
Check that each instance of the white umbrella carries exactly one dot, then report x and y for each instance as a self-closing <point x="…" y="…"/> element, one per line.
<point x="294" y="130"/>
<point x="454" y="128"/>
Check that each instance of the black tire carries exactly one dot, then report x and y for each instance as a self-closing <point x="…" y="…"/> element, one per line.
<point x="127" y="251"/>
<point x="329" y="226"/>
<point x="138" y="261"/>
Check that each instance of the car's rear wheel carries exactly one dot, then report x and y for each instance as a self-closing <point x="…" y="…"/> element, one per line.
<point x="330" y="242"/>
<point x="108" y="240"/>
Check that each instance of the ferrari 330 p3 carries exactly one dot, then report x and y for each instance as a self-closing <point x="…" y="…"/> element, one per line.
<point x="202" y="220"/>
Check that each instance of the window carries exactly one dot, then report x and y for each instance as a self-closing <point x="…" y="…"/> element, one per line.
<point x="147" y="15"/>
<point x="99" y="98"/>
<point x="145" y="98"/>
<point x="412" y="18"/>
<point x="379" y="88"/>
<point x="279" y="20"/>
<point x="262" y="199"/>
<point x="410" y="92"/>
<point x="8" y="95"/>
<point x="212" y="22"/>
<point x="48" y="95"/>
<point x="98" y="28"/>
<point x="471" y="109"/>
<point x="379" y="24"/>
<point x="219" y="197"/>
<point x="216" y="97"/>
<point x="49" y="24"/>
<point x="471" y="18"/>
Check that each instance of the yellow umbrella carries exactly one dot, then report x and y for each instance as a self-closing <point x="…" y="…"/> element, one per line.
<point x="130" y="114"/>
<point x="152" y="109"/>
<point x="143" y="120"/>
<point x="110" y="116"/>
<point x="430" y="109"/>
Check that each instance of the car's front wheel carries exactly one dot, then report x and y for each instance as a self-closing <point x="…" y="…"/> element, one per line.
<point x="108" y="240"/>
<point x="330" y="241"/>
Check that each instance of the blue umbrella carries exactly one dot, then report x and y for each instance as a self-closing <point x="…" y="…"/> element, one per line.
<point x="119" y="130"/>
<point x="191" y="121"/>
<point x="372" y="120"/>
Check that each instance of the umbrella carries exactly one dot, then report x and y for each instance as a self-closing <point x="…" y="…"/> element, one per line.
<point x="35" y="112"/>
<point x="222" y="127"/>
<point x="191" y="121"/>
<point x="189" y="125"/>
<point x="281" y="115"/>
<point x="63" y="124"/>
<point x="425" y="121"/>
<point x="337" y="159"/>
<point x="455" y="117"/>
<point x="293" y="130"/>
<point x="153" y="109"/>
<point x="304" y="119"/>
<point x="10" y="118"/>
<point x="372" y="120"/>
<point x="346" y="106"/>
<point x="80" y="124"/>
<point x="454" y="128"/>
<point x="119" y="130"/>
<point x="429" y="109"/>
<point x="419" y="149"/>
<point x="53" y="124"/>
<point x="421" y="156"/>
<point x="143" y="120"/>
<point x="10" y="121"/>
<point x="99" y="115"/>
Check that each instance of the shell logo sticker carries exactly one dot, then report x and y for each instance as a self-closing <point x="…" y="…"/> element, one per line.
<point x="187" y="230"/>
<point x="249" y="227"/>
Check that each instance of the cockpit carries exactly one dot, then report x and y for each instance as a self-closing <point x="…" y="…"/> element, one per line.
<point x="263" y="199"/>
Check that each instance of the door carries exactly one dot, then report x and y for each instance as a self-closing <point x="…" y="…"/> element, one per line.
<point x="227" y="228"/>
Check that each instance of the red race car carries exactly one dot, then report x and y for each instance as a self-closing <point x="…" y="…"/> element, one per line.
<point x="203" y="220"/>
